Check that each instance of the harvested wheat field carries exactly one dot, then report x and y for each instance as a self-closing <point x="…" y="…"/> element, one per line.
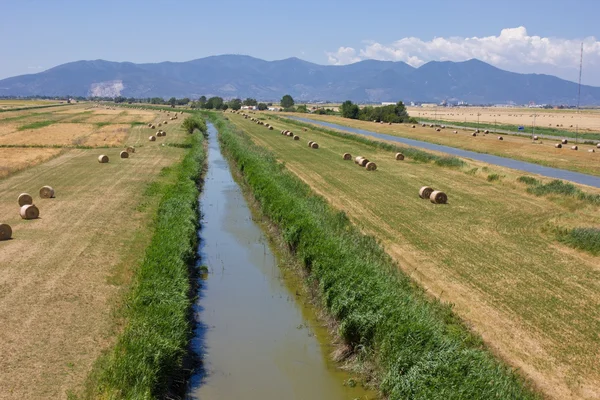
<point x="16" y="159"/>
<point x="587" y="120"/>
<point x="491" y="251"/>
<point x="541" y="151"/>
<point x="62" y="275"/>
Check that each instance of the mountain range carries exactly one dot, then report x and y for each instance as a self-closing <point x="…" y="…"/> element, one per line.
<point x="230" y="76"/>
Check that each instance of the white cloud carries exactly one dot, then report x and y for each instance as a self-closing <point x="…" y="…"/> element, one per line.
<point x="513" y="49"/>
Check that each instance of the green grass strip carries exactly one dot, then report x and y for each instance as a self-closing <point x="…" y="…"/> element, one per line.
<point x="422" y="350"/>
<point x="150" y="351"/>
<point x="587" y="239"/>
<point x="34" y="107"/>
<point x="411" y="152"/>
<point x="36" y="125"/>
<point x="558" y="187"/>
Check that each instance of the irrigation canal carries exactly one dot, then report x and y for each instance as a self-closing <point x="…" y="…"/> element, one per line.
<point x="255" y="338"/>
<point x="548" y="172"/>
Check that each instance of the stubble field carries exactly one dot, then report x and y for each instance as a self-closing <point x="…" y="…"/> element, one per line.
<point x="62" y="275"/>
<point x="491" y="251"/>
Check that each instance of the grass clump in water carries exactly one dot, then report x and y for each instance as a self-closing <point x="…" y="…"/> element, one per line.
<point x="421" y="348"/>
<point x="149" y="353"/>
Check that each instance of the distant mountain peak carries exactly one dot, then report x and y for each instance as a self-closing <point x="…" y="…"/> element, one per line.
<point x="235" y="75"/>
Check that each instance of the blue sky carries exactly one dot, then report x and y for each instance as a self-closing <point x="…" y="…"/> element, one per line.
<point x="521" y="36"/>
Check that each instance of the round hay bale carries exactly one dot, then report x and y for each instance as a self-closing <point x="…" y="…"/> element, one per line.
<point x="535" y="138"/>
<point x="399" y="156"/>
<point x="437" y="129"/>
<point x="357" y="159"/>
<point x="130" y="149"/>
<point x="598" y="145"/>
<point x="124" y="154"/>
<point x="371" y="166"/>
<point x="270" y="128"/>
<point x="413" y="126"/>
<point x="558" y="146"/>
<point x="486" y="131"/>
<point x="46" y="192"/>
<point x="5" y="231"/>
<point x="347" y="156"/>
<point x="474" y="134"/>
<point x="454" y="131"/>
<point x="152" y="138"/>
<point x="574" y="148"/>
<point x="423" y="125"/>
<point x="165" y="122"/>
<point x="591" y="151"/>
<point x="29" y="211"/>
<point x="500" y="138"/>
<point x="296" y="137"/>
<point x="314" y="145"/>
<point x="425" y="192"/>
<point x="438" y="197"/>
<point x="305" y="129"/>
<point x="290" y="134"/>
<point x="159" y="124"/>
<point x="389" y="123"/>
<point x="564" y="141"/>
<point x="310" y="143"/>
<point x="164" y="133"/>
<point x="159" y="133"/>
<point x="363" y="162"/>
<point x="25" y="199"/>
<point x="102" y="159"/>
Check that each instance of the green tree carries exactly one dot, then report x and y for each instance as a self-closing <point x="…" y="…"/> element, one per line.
<point x="172" y="101"/>
<point x="349" y="110"/>
<point x="250" y="102"/>
<point x="202" y="101"/>
<point x="183" y="102"/>
<point x="302" y="108"/>
<point x="262" y="107"/>
<point x="287" y="101"/>
<point x="214" y="102"/>
<point x="235" y="104"/>
<point x="224" y="106"/>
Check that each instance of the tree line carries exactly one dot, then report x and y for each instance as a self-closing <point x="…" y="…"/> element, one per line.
<point x="391" y="113"/>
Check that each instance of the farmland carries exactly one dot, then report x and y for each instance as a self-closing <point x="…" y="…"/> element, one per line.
<point x="63" y="276"/>
<point x="585" y="121"/>
<point x="492" y="251"/>
<point x="541" y="152"/>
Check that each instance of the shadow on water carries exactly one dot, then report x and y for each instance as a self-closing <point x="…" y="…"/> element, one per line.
<point x="548" y="172"/>
<point x="254" y="339"/>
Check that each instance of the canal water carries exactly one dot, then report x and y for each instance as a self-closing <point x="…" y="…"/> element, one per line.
<point x="255" y="337"/>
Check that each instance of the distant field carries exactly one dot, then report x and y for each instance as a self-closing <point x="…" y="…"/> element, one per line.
<point x="62" y="275"/>
<point x="568" y="120"/>
<point x="10" y="104"/>
<point x="491" y="251"/>
<point x="521" y="148"/>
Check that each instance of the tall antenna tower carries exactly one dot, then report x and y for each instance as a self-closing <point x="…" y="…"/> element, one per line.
<point x="579" y="93"/>
<point x="579" y="86"/>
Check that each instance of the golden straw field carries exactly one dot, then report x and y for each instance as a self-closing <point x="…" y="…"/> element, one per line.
<point x="62" y="275"/>
<point x="491" y="251"/>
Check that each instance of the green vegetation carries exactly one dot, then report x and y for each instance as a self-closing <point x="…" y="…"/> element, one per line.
<point x="493" y="177"/>
<point x="422" y="350"/>
<point x="558" y="187"/>
<point x="539" y="130"/>
<point x="149" y="352"/>
<point x="393" y="113"/>
<point x="36" y="125"/>
<point x="262" y="107"/>
<point x="287" y="101"/>
<point x="587" y="239"/>
<point x="33" y="107"/>
<point x="411" y="152"/>
<point x="190" y="124"/>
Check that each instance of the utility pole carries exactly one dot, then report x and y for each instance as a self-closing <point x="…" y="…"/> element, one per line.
<point x="579" y="92"/>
